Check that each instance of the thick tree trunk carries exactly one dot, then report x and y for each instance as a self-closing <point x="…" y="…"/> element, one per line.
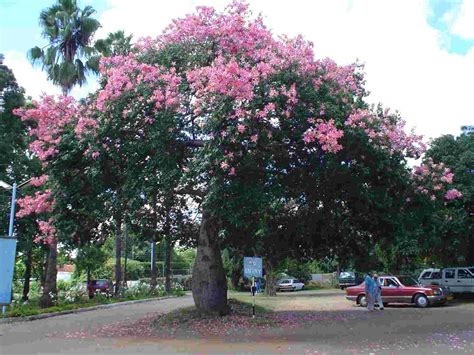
<point x="209" y="284"/>
<point x="168" y="252"/>
<point x="49" y="296"/>
<point x="270" y="289"/>
<point x="27" y="276"/>
<point x="153" y="281"/>
<point x="118" y="254"/>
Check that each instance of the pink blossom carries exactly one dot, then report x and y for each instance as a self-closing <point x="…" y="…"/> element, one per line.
<point x="50" y="116"/>
<point x="327" y="135"/>
<point x="224" y="165"/>
<point x="232" y="171"/>
<point x="40" y="202"/>
<point x="452" y="194"/>
<point x="39" y="181"/>
<point x="387" y="132"/>
<point x="254" y="138"/>
<point x="241" y="128"/>
<point x="47" y="233"/>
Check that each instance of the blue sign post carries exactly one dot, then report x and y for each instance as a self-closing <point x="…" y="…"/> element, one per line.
<point x="7" y="254"/>
<point x="7" y="263"/>
<point x="253" y="269"/>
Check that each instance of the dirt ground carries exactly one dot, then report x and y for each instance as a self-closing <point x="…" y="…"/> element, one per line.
<point x="306" y="322"/>
<point x="325" y="322"/>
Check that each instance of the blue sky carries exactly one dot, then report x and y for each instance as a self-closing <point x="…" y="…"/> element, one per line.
<point x="437" y="19"/>
<point x="21" y="32"/>
<point x="418" y="54"/>
<point x="19" y="29"/>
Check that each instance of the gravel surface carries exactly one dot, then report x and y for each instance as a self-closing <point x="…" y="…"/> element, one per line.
<point x="308" y="322"/>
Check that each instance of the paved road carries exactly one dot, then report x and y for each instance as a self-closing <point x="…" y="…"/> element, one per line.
<point x="49" y="336"/>
<point x="311" y="323"/>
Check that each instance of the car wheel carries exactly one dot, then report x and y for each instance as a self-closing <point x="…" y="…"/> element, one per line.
<point x="294" y="288"/>
<point x="421" y="301"/>
<point x="342" y="287"/>
<point x="362" y="301"/>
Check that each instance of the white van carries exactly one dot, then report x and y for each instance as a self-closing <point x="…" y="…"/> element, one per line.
<point x="458" y="279"/>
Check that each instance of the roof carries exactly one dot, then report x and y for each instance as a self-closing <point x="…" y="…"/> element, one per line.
<point x="66" y="268"/>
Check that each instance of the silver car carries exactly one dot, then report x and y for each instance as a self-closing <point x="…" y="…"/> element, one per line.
<point x="289" y="285"/>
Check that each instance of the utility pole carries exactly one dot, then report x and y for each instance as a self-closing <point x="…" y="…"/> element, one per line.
<point x="125" y="232"/>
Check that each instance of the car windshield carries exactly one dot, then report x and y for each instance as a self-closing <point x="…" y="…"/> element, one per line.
<point x="346" y="274"/>
<point x="426" y="275"/>
<point x="285" y="281"/>
<point x="408" y="281"/>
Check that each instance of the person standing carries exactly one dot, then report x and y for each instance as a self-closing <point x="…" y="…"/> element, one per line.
<point x="378" y="292"/>
<point x="369" y="291"/>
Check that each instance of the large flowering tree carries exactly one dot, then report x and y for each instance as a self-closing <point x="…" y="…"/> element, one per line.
<point x="218" y="105"/>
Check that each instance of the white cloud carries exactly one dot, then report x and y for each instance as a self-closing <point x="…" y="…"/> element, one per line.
<point x="35" y="81"/>
<point x="32" y="79"/>
<point x="463" y="25"/>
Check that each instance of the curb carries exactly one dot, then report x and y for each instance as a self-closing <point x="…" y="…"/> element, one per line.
<point x="80" y="310"/>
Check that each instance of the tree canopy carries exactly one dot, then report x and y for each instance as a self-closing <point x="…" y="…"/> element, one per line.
<point x="274" y="149"/>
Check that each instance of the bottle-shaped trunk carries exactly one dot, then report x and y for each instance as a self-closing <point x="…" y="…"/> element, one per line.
<point x="209" y="284"/>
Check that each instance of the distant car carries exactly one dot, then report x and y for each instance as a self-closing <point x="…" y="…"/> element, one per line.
<point x="402" y="289"/>
<point x="457" y="279"/>
<point x="99" y="286"/>
<point x="289" y="285"/>
<point x="349" y="278"/>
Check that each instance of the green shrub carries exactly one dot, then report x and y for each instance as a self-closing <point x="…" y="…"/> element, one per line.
<point x="136" y="270"/>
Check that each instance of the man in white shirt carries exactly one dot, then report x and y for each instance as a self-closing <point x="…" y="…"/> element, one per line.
<point x="378" y="291"/>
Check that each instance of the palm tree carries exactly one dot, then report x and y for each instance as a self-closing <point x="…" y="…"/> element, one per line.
<point x="69" y="55"/>
<point x="116" y="43"/>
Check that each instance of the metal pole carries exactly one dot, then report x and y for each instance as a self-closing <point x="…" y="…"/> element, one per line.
<point x="152" y="255"/>
<point x="12" y="211"/>
<point x="125" y="231"/>
<point x="254" y="291"/>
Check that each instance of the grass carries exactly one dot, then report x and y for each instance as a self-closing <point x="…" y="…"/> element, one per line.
<point x="31" y="309"/>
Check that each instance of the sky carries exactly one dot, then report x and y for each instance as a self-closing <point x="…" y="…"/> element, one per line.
<point x="418" y="54"/>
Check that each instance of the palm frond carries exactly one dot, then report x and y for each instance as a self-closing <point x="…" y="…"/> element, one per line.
<point x="35" y="54"/>
<point x="93" y="64"/>
<point x="88" y="27"/>
<point x="88" y="11"/>
<point x="80" y="72"/>
<point x="67" y="74"/>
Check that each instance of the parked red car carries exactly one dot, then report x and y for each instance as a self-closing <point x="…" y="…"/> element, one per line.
<point x="99" y="286"/>
<point x="402" y="289"/>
